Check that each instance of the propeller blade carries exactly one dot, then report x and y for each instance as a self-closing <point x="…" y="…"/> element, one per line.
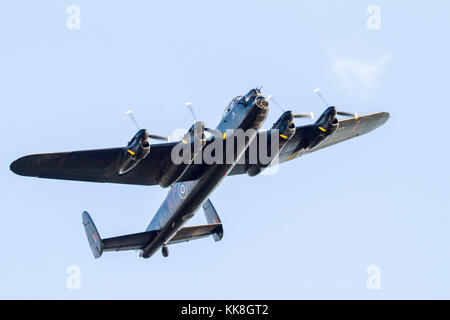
<point x="270" y="97"/>
<point x="342" y="113"/>
<point x="214" y="132"/>
<point x="191" y="109"/>
<point x="154" y="136"/>
<point x="304" y="115"/>
<point x="130" y="114"/>
<point x="317" y="91"/>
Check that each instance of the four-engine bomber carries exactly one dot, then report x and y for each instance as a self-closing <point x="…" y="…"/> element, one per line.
<point x="173" y="164"/>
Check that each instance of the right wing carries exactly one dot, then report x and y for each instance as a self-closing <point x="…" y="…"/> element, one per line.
<point x="95" y="165"/>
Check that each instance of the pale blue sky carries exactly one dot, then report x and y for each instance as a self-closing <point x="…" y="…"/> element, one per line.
<point x="310" y="231"/>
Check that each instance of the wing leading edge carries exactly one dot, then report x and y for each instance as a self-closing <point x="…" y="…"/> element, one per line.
<point x="348" y="129"/>
<point x="297" y="145"/>
<point x="100" y="165"/>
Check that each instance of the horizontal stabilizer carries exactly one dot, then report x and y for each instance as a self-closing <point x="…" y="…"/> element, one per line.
<point x="128" y="242"/>
<point x="133" y="241"/>
<point x="196" y="232"/>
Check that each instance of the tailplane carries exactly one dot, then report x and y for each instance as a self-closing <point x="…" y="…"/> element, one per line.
<point x="133" y="241"/>
<point x="214" y="227"/>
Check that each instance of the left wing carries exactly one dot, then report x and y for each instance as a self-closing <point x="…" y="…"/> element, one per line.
<point x="296" y="146"/>
<point x="347" y="129"/>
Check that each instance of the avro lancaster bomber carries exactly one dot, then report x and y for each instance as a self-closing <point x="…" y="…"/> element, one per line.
<point x="194" y="166"/>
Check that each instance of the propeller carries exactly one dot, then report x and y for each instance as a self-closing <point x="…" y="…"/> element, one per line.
<point x="191" y="109"/>
<point x="304" y="115"/>
<point x="130" y="114"/>
<point x="300" y="115"/>
<point x="152" y="136"/>
<point x="214" y="132"/>
<point x="270" y="97"/>
<point x="341" y="113"/>
<point x="319" y="94"/>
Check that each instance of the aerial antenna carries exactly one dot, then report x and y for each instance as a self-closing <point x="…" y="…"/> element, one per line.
<point x="130" y="114"/>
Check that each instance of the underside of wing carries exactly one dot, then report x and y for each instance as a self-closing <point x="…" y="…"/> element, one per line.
<point x="94" y="166"/>
<point x="101" y="165"/>
<point x="298" y="144"/>
<point x="347" y="129"/>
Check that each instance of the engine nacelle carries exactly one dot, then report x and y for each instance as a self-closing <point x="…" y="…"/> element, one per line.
<point x="136" y="150"/>
<point x="283" y="130"/>
<point x="325" y="126"/>
<point x="184" y="153"/>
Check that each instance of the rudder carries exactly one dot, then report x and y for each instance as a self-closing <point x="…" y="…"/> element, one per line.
<point x="95" y="242"/>
<point x="213" y="218"/>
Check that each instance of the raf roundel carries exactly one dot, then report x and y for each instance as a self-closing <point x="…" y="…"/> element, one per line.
<point x="182" y="190"/>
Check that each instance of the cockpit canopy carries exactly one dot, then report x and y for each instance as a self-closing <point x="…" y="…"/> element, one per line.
<point x="230" y="106"/>
<point x="241" y="99"/>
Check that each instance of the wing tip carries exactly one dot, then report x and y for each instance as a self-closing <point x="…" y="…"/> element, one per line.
<point x="384" y="116"/>
<point x="379" y="118"/>
<point x="19" y="166"/>
<point x="27" y="165"/>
